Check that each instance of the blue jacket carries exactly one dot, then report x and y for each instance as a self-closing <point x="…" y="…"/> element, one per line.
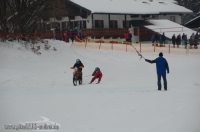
<point x="161" y="65"/>
<point x="152" y="38"/>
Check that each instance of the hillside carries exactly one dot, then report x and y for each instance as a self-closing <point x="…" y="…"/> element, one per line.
<point x="126" y="100"/>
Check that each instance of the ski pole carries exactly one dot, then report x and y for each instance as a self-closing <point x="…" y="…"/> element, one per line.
<point x="138" y="52"/>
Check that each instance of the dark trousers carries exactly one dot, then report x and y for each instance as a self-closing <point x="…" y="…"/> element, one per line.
<point x="159" y="82"/>
<point x="173" y="42"/>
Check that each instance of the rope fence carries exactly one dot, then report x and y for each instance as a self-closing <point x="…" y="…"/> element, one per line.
<point x="122" y="45"/>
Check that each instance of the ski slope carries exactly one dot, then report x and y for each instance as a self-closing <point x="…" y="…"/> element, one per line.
<point x="38" y="88"/>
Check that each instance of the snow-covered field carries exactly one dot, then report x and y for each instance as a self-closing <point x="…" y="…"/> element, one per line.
<point x="37" y="88"/>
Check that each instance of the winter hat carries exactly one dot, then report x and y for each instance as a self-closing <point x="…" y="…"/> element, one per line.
<point x="160" y="54"/>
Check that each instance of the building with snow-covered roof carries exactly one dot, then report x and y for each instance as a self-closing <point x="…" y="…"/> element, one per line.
<point x="114" y="17"/>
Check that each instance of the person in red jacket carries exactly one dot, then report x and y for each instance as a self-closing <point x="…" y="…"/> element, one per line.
<point x="97" y="74"/>
<point x="65" y="36"/>
<point x="126" y="36"/>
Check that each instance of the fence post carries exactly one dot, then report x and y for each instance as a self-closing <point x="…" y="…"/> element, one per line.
<point x="100" y="44"/>
<point x="140" y="48"/>
<point x="126" y="47"/>
<point x="112" y="45"/>
<point x="187" y="49"/>
<point x="86" y="41"/>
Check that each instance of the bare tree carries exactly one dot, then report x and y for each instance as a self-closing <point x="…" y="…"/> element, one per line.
<point x="21" y="15"/>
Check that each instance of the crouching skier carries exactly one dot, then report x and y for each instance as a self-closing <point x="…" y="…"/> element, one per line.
<point x="97" y="74"/>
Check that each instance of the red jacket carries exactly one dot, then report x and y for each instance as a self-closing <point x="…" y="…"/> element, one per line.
<point x="65" y="34"/>
<point x="126" y="36"/>
<point x="97" y="73"/>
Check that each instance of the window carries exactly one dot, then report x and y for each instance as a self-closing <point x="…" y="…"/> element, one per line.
<point x="154" y="17"/>
<point x="99" y="24"/>
<point x="113" y="24"/>
<point x="172" y="18"/>
<point x="55" y="24"/>
<point x="80" y="24"/>
<point x="145" y="2"/>
<point x="126" y="24"/>
<point x="162" y="3"/>
<point x="64" y="25"/>
<point x="71" y="24"/>
<point x="135" y="31"/>
<point x="75" y="24"/>
<point x="48" y="26"/>
<point x="134" y="16"/>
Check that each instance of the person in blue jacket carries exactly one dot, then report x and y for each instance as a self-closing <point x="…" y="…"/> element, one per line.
<point x="153" y="39"/>
<point x="161" y="67"/>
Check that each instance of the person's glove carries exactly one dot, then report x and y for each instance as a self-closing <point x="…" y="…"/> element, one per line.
<point x="92" y="74"/>
<point x="168" y="72"/>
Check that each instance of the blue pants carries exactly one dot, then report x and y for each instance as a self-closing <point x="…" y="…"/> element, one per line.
<point x="159" y="82"/>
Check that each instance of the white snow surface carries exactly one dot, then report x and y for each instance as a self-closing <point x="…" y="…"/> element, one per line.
<point x="131" y="6"/>
<point x="169" y="28"/>
<point x="127" y="100"/>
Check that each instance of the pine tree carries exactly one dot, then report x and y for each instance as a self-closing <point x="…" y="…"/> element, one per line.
<point x="193" y="5"/>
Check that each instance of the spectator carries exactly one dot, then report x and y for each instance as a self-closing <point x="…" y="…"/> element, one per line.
<point x="57" y="32"/>
<point x="126" y="36"/>
<point x="79" y="33"/>
<point x="65" y="36"/>
<point x="153" y="39"/>
<point x="193" y="36"/>
<point x="163" y="38"/>
<point x="191" y="42"/>
<point x="196" y="40"/>
<point x="68" y="34"/>
<point x="130" y="37"/>
<point x="83" y="33"/>
<point x="160" y="40"/>
<point x="157" y="38"/>
<point x="178" y="40"/>
<point x="183" y="39"/>
<point x="73" y="34"/>
<point x="174" y="40"/>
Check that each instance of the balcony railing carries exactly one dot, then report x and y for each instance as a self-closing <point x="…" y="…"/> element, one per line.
<point x="106" y="33"/>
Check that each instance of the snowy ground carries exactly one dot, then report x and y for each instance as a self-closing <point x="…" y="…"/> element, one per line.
<point x="127" y="100"/>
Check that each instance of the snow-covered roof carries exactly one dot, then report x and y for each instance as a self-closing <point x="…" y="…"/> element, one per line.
<point x="169" y="28"/>
<point x="173" y="1"/>
<point x="132" y="6"/>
